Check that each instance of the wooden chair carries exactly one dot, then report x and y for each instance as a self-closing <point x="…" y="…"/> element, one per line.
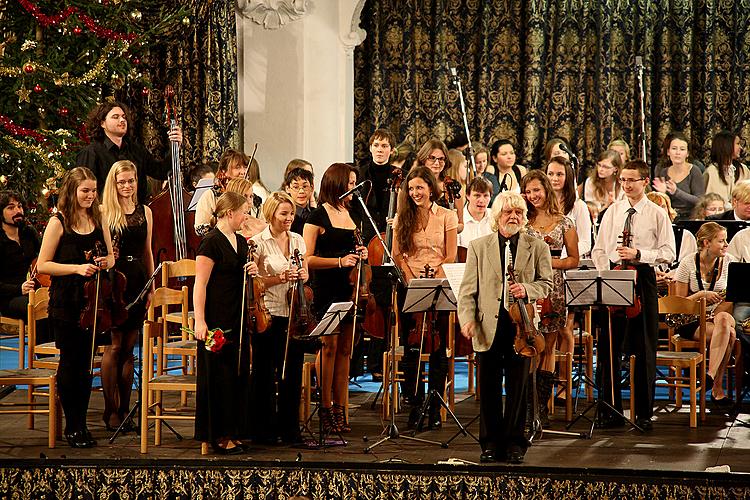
<point x="19" y="327"/>
<point x="156" y="381"/>
<point x="35" y="377"/>
<point x="391" y="388"/>
<point x="693" y="361"/>
<point x="566" y="359"/>
<point x="182" y="315"/>
<point x="184" y="268"/>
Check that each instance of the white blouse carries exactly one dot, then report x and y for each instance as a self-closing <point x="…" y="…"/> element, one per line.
<point x="686" y="274"/>
<point x="271" y="262"/>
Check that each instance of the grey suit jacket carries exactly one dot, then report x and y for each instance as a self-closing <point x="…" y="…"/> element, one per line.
<point x="481" y="290"/>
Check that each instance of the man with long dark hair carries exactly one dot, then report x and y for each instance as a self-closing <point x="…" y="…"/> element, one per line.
<point x="108" y="125"/>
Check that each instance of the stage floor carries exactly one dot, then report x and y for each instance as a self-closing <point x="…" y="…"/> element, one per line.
<point x="672" y="445"/>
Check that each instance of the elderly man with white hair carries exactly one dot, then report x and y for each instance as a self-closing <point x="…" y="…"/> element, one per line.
<point x="483" y="311"/>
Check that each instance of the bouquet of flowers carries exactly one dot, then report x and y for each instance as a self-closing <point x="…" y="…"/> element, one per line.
<point x="215" y="338"/>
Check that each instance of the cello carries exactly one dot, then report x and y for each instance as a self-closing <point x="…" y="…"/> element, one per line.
<point x="170" y="240"/>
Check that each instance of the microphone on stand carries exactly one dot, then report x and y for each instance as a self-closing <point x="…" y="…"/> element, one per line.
<point x="354" y="190"/>
<point x="566" y="149"/>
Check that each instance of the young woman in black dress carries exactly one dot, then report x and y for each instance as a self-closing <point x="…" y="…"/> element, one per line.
<point x="71" y="232"/>
<point x="130" y="224"/>
<point x="332" y="252"/>
<point x="222" y="393"/>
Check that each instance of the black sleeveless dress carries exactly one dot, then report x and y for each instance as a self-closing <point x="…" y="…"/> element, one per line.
<point x="132" y="243"/>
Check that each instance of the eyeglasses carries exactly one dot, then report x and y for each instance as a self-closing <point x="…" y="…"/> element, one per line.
<point x="628" y="181"/>
<point x="299" y="188"/>
<point x="127" y="182"/>
<point x="435" y="159"/>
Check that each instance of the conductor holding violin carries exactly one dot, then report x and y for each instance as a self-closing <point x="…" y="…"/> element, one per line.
<point x="648" y="240"/>
<point x="483" y="312"/>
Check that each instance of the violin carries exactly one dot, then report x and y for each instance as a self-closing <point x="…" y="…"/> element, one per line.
<point x="258" y="314"/>
<point x="528" y="343"/>
<point x="359" y="278"/>
<point x="104" y="300"/>
<point x="626" y="265"/>
<point x="302" y="321"/>
<point x="452" y="189"/>
<point x="40" y="280"/>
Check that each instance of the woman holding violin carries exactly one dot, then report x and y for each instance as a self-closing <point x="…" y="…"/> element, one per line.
<point x="333" y="254"/>
<point x="131" y="225"/>
<point x="424" y="234"/>
<point x="434" y="155"/>
<point x="549" y="224"/>
<point x="222" y="395"/>
<point x="73" y="231"/>
<point x="277" y="353"/>
<point x="233" y="164"/>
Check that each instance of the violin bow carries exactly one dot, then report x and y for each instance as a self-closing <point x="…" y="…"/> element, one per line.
<point x="96" y="310"/>
<point x="252" y="157"/>
<point x="293" y="257"/>
<point x="360" y="242"/>
<point x="244" y="306"/>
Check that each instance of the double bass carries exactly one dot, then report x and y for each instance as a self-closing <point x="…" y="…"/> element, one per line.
<point x="170" y="240"/>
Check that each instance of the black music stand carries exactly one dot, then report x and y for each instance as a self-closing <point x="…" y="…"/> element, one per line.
<point x="327" y="327"/>
<point x="137" y="405"/>
<point x="600" y="288"/>
<point x="424" y="295"/>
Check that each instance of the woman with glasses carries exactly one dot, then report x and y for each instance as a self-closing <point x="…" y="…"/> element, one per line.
<point x="725" y="169"/>
<point x="434" y="155"/>
<point x="709" y="205"/>
<point x="602" y="186"/>
<point x="130" y="224"/>
<point x="676" y="177"/>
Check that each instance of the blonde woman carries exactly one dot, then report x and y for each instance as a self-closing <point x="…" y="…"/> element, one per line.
<point x="603" y="186"/>
<point x="251" y="225"/>
<point x="704" y="275"/>
<point x="131" y="225"/>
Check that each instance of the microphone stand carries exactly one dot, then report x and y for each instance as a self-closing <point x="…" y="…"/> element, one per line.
<point x="641" y="97"/>
<point x="457" y="83"/>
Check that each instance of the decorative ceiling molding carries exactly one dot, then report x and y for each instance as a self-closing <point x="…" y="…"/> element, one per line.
<point x="272" y="14"/>
<point x="350" y="12"/>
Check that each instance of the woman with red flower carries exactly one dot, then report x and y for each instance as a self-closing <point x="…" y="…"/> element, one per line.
<point x="222" y="394"/>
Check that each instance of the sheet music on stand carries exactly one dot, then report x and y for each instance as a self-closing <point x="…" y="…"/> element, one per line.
<point x="203" y="186"/>
<point x="609" y="288"/>
<point x="454" y="273"/>
<point x="331" y="319"/>
<point x="422" y="292"/>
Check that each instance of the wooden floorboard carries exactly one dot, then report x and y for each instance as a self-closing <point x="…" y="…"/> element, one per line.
<point x="672" y="445"/>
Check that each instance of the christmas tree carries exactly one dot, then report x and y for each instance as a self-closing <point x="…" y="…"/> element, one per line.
<point x="59" y="58"/>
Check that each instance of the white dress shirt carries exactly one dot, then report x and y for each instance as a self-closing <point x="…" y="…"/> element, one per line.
<point x="271" y="261"/>
<point x="581" y="217"/>
<point x="473" y="228"/>
<point x="651" y="229"/>
<point x="740" y="245"/>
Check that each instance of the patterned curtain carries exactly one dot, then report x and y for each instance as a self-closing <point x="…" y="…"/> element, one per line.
<point x="535" y="69"/>
<point x="202" y="68"/>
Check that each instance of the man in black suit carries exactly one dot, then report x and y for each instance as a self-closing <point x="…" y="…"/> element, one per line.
<point x="109" y="124"/>
<point x="740" y="204"/>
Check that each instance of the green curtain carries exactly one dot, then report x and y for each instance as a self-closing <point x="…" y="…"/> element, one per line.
<point x="202" y="68"/>
<point x="532" y="70"/>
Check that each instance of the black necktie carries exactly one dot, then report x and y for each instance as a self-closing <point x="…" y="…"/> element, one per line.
<point x="628" y="222"/>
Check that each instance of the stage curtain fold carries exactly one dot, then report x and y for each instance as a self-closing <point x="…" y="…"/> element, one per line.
<point x="533" y="70"/>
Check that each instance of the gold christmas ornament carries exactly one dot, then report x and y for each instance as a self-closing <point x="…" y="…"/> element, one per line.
<point x="136" y="16"/>
<point x="23" y="94"/>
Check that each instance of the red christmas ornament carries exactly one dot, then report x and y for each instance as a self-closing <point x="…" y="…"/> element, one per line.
<point x="28" y="68"/>
<point x="38" y="88"/>
<point x="77" y="30"/>
<point x="136" y="61"/>
<point x="145" y="91"/>
<point x="63" y="111"/>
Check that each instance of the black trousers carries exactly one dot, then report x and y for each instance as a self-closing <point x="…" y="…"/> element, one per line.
<point x="276" y="416"/>
<point x="501" y="426"/>
<point x="639" y="336"/>
<point x="73" y="373"/>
